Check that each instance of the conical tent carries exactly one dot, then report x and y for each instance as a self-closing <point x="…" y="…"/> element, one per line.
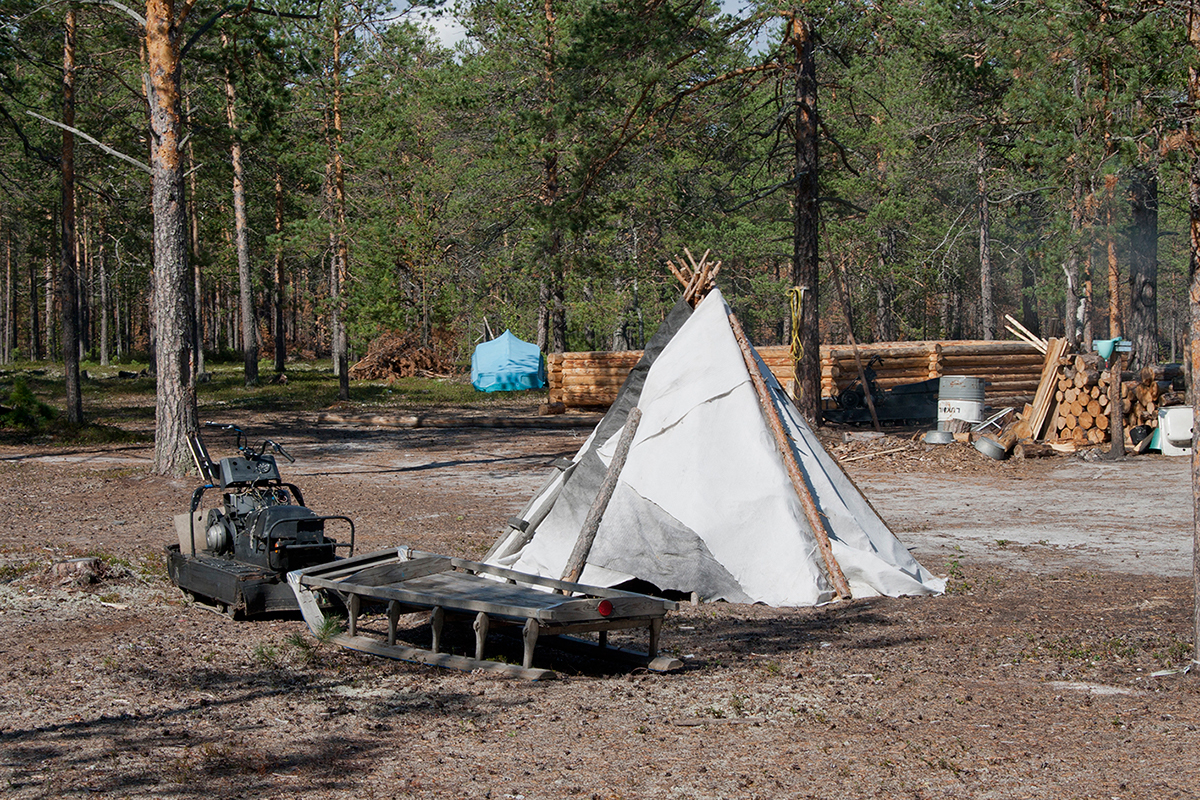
<point x="704" y="502"/>
<point x="507" y="364"/>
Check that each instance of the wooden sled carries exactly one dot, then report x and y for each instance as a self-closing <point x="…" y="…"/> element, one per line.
<point x="409" y="581"/>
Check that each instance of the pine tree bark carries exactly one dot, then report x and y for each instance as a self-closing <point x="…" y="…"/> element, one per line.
<point x="241" y="228"/>
<point x="1143" y="268"/>
<point x="195" y="259"/>
<point x="1114" y="267"/>
<point x="68" y="264"/>
<point x="175" y="411"/>
<point x="987" y="305"/>
<point x="805" y="258"/>
<point x="10" y="311"/>
<point x="278" y="279"/>
<point x="104" y="299"/>
<point x="35" y="333"/>
<point x="554" y="316"/>
<point x="49" y="295"/>
<point x="1193" y="141"/>
<point x="341" y="255"/>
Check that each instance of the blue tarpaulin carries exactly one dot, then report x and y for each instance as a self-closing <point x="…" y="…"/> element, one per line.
<point x="507" y="364"/>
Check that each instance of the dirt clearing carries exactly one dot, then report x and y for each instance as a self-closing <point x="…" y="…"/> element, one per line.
<point x="1039" y="674"/>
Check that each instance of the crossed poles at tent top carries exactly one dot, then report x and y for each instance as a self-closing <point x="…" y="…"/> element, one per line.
<point x="698" y="279"/>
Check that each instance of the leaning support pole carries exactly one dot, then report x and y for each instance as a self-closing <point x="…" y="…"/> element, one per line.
<point x="583" y="545"/>
<point x="844" y="290"/>
<point x="789" y="459"/>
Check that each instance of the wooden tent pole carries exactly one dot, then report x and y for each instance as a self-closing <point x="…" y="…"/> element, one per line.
<point x="789" y="459"/>
<point x="583" y="545"/>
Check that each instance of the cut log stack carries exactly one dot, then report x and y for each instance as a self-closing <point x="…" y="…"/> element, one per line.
<point x="592" y="379"/>
<point x="588" y="379"/>
<point x="1084" y="411"/>
<point x="1011" y="369"/>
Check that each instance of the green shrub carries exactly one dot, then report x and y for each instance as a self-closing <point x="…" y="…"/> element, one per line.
<point x="23" y="411"/>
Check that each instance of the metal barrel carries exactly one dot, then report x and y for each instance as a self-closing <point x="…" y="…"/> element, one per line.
<point x="959" y="397"/>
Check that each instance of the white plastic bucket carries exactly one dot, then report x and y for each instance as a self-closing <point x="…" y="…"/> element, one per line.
<point x="959" y="397"/>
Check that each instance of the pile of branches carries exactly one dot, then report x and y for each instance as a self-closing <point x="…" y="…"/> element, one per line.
<point x="402" y="355"/>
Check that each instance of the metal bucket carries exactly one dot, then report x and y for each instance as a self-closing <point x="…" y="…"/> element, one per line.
<point x="959" y="397"/>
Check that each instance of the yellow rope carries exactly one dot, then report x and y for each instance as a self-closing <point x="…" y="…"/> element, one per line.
<point x="796" y="301"/>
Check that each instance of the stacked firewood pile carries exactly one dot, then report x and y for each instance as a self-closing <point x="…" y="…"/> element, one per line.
<point x="401" y="355"/>
<point x="1084" y="411"/>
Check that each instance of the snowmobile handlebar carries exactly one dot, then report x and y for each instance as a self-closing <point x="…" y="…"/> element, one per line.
<point x="278" y="448"/>
<point x="246" y="448"/>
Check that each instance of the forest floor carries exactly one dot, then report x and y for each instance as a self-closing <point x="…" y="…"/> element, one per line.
<point x="1051" y="668"/>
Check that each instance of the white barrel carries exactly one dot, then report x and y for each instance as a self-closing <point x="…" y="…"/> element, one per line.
<point x="959" y="397"/>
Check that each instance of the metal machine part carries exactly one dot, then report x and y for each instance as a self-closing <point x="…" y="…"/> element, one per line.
<point x="261" y="531"/>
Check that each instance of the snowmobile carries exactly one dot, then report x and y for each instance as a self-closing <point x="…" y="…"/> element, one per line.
<point x="235" y="557"/>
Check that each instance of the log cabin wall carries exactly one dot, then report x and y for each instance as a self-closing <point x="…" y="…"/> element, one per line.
<point x="1011" y="369"/>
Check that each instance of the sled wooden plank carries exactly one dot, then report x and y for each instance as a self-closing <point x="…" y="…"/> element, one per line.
<point x="400" y="571"/>
<point x="417" y="655"/>
<point x="346" y="566"/>
<point x="550" y="583"/>
<point x="632" y="657"/>
<point x="409" y="579"/>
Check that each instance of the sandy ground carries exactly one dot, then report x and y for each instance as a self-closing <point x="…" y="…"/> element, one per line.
<point x="1050" y="669"/>
<point x="1130" y="516"/>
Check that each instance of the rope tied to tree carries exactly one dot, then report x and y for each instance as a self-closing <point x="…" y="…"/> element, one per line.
<point x="796" y="302"/>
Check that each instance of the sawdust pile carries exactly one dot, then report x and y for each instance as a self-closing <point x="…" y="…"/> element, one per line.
<point x="402" y="355"/>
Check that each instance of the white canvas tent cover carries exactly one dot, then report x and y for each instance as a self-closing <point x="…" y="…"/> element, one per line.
<point x="704" y="503"/>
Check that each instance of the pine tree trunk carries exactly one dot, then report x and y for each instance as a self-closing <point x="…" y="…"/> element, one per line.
<point x="1088" y="301"/>
<point x="987" y="306"/>
<point x="885" y="289"/>
<point x="241" y="230"/>
<point x="10" y="316"/>
<point x="1143" y="269"/>
<point x="1193" y="139"/>
<point x="68" y="265"/>
<point x="104" y="299"/>
<point x="805" y="263"/>
<point x="554" y="296"/>
<point x="175" y="412"/>
<point x="278" y="279"/>
<point x="1029" y="315"/>
<point x="195" y="258"/>
<point x="48" y="295"/>
<point x="86" y="284"/>
<point x="341" y="250"/>
<point x="1114" y="269"/>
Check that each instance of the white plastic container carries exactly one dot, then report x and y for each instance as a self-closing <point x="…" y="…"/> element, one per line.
<point x="1175" y="426"/>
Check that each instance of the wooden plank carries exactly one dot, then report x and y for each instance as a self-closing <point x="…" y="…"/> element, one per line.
<point x="418" y="656"/>
<point x="537" y="580"/>
<point x="632" y="657"/>
<point x="1055" y="350"/>
<point x="345" y="566"/>
<point x="397" y="572"/>
<point x="586" y="609"/>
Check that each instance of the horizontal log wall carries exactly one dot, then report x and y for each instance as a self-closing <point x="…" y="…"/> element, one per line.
<point x="1012" y="369"/>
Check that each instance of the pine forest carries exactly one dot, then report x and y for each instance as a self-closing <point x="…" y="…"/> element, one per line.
<point x="298" y="179"/>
